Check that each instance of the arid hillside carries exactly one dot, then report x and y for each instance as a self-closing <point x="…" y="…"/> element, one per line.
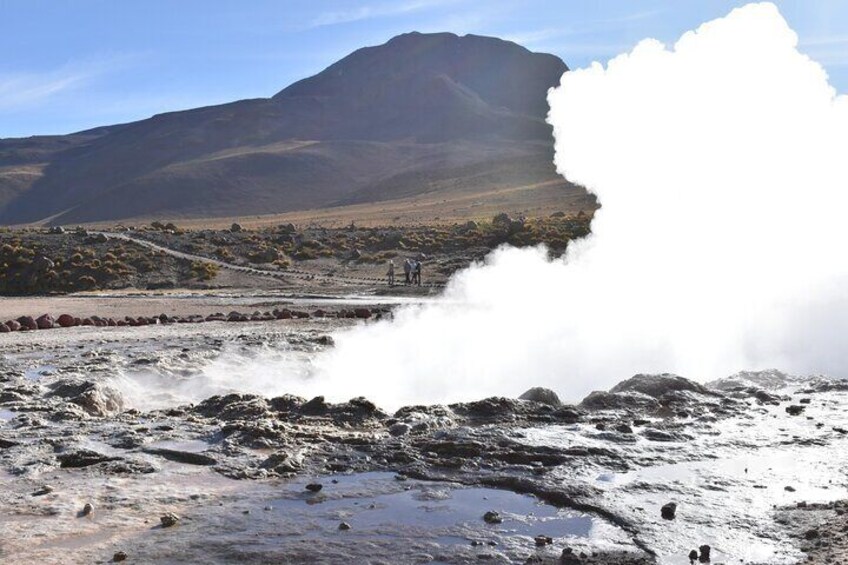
<point x="422" y="115"/>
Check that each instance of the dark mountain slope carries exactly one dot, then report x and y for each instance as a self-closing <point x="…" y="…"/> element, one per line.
<point x="366" y="127"/>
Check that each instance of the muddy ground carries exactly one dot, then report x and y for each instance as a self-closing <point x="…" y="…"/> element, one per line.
<point x="132" y="443"/>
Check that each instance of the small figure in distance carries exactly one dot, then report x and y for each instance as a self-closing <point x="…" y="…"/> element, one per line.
<point x="416" y="277"/>
<point x="407" y="270"/>
<point x="391" y="273"/>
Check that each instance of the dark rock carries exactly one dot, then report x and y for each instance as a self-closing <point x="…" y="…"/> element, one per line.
<point x="96" y="399"/>
<point x="542" y="395"/>
<point x="705" y="553"/>
<point x="600" y="400"/>
<point x="669" y="510"/>
<point x="27" y="323"/>
<point x="794" y="409"/>
<point x="66" y="321"/>
<point x="693" y="555"/>
<point x="492" y="517"/>
<point x="233" y="406"/>
<point x="82" y="458"/>
<point x="399" y="429"/>
<point x="314" y="487"/>
<point x="45" y="322"/>
<point x="657" y="385"/>
<point x="542" y="541"/>
<point x="119" y="556"/>
<point x="168" y="520"/>
<point x="4" y="329"/>
<point x="811" y="534"/>
<point x="186" y="457"/>
<point x="13" y="325"/>
<point x="344" y="526"/>
<point x="362" y="313"/>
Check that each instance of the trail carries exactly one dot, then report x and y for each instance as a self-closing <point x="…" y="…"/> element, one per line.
<point x="277" y="275"/>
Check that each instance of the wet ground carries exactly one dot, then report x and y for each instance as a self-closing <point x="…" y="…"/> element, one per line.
<point x="142" y="422"/>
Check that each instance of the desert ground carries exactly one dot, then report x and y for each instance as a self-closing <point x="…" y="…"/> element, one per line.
<point x="165" y="414"/>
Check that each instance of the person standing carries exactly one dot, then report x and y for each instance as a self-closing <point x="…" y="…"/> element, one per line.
<point x="407" y="270"/>
<point x="391" y="273"/>
<point x="417" y="274"/>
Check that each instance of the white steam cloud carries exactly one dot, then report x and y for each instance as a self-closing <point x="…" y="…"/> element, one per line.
<point x="720" y="165"/>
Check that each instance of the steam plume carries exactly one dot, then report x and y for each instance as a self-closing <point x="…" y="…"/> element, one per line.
<point x="720" y="246"/>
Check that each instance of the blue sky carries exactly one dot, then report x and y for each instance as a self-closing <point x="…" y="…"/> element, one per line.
<point x="67" y="65"/>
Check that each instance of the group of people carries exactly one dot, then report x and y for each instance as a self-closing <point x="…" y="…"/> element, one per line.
<point x="411" y="272"/>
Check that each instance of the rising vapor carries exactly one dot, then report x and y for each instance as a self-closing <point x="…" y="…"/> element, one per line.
<point x="720" y="245"/>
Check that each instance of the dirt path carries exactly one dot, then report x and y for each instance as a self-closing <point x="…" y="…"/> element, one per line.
<point x="278" y="275"/>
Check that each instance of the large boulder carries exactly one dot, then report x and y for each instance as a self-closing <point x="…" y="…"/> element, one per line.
<point x="13" y="325"/>
<point x="542" y="395"/>
<point x="602" y="400"/>
<point x="66" y="321"/>
<point x="27" y="323"/>
<point x="96" y="399"/>
<point x="4" y="329"/>
<point x="656" y="386"/>
<point x="45" y="322"/>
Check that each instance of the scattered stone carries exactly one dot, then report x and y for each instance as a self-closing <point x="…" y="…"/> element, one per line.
<point x="705" y="553"/>
<point x="46" y="489"/>
<point x="87" y="509"/>
<point x="693" y="555"/>
<point x="344" y="526"/>
<point x="811" y="534"/>
<point x="314" y="487"/>
<point x="794" y="409"/>
<point x="669" y="510"/>
<point x="492" y="517"/>
<point x="168" y="520"/>
<point x="119" y="556"/>
<point x="542" y="541"/>
<point x="789" y="489"/>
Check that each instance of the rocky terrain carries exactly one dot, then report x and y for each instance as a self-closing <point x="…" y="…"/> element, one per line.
<point x="314" y="258"/>
<point x="148" y="443"/>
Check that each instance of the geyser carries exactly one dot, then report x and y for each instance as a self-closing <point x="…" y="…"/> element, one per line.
<point x="719" y="165"/>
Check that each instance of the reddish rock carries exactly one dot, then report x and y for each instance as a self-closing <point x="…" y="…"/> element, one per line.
<point x="4" y="329"/>
<point x="27" y="323"/>
<point x="363" y="313"/>
<point x="87" y="322"/>
<point x="111" y="322"/>
<point x="66" y="321"/>
<point x="45" y="322"/>
<point x="121" y="323"/>
<point x="13" y="325"/>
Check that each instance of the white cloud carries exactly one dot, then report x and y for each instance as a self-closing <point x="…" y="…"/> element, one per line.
<point x="31" y="89"/>
<point x="373" y="11"/>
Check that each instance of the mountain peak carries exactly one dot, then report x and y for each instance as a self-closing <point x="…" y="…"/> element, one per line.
<point x="502" y="73"/>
